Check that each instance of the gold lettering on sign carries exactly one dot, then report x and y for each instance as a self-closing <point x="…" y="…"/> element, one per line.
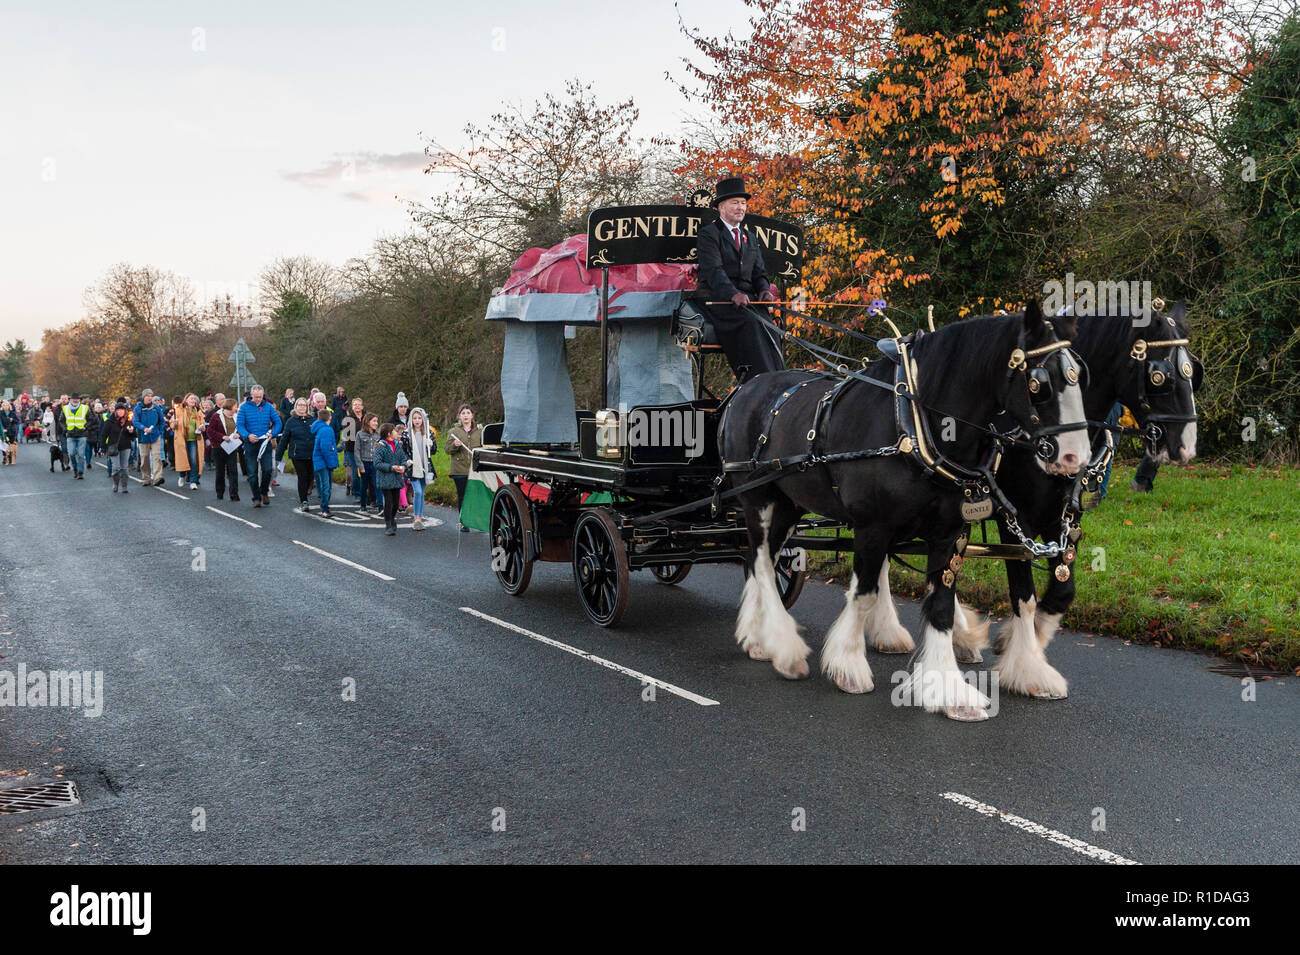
<point x="642" y="227"/>
<point x="692" y="227"/>
<point x="605" y="230"/>
<point x="624" y="228"/>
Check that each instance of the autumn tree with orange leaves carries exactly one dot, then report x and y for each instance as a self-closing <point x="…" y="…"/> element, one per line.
<point x="938" y="152"/>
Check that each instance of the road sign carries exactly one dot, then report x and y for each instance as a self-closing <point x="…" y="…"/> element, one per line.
<point x="241" y="356"/>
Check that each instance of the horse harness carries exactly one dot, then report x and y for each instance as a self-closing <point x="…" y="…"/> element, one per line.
<point x="979" y="486"/>
<point x="1156" y="376"/>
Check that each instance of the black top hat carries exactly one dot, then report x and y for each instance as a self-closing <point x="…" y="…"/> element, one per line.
<point x="731" y="188"/>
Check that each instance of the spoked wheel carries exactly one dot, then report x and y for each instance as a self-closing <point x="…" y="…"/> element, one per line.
<point x="670" y="573"/>
<point x="789" y="582"/>
<point x="510" y="528"/>
<point x="600" y="567"/>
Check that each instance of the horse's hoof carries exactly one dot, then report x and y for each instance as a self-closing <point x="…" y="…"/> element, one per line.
<point x="757" y="653"/>
<point x="898" y="641"/>
<point x="966" y="714"/>
<point x="1047" y="693"/>
<point x="967" y="654"/>
<point x="850" y="684"/>
<point x="795" y="669"/>
<point x="851" y="676"/>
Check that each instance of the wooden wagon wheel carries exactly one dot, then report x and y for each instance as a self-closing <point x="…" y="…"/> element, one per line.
<point x="510" y="529"/>
<point x="670" y="573"/>
<point x="600" y="570"/>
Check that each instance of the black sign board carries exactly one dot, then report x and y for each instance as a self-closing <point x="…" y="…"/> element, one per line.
<point x="634" y="235"/>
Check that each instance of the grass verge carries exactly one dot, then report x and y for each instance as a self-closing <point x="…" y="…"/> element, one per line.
<point x="1207" y="561"/>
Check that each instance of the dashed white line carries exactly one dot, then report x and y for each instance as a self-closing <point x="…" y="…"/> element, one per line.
<point x="344" y="560"/>
<point x="217" y="510"/>
<point x="609" y="664"/>
<point x="1051" y="835"/>
<point x="30" y="493"/>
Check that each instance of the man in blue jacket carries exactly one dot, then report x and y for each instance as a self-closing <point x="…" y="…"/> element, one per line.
<point x="258" y="424"/>
<point x="149" y="425"/>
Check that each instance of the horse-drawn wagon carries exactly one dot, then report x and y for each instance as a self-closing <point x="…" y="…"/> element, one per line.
<point x="981" y="420"/>
<point x="633" y="486"/>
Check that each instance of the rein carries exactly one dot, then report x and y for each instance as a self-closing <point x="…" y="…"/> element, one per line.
<point x="1041" y="440"/>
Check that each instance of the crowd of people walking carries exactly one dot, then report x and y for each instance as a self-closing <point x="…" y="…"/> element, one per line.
<point x="387" y="466"/>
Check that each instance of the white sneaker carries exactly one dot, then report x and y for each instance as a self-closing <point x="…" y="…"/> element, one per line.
<point x="270" y="493"/>
<point x="180" y="482"/>
<point x="194" y="487"/>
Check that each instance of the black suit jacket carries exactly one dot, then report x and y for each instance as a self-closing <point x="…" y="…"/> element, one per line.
<point x="726" y="270"/>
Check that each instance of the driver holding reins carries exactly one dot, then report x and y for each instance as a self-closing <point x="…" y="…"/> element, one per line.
<point x="731" y="268"/>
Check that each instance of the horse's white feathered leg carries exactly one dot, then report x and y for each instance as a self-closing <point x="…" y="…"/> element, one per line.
<point x="749" y="621"/>
<point x="888" y="635"/>
<point x="937" y="682"/>
<point x="1045" y="625"/>
<point x="844" y="654"/>
<point x="970" y="634"/>
<point x="1023" y="667"/>
<point x="763" y="626"/>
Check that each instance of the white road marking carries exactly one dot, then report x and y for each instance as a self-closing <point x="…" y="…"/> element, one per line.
<point x="344" y="560"/>
<point x="217" y="510"/>
<point x="349" y="515"/>
<point x="644" y="678"/>
<point x="1051" y="835"/>
<point x="172" y="493"/>
<point x="30" y="493"/>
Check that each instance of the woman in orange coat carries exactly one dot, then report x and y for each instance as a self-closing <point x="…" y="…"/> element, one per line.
<point x="187" y="423"/>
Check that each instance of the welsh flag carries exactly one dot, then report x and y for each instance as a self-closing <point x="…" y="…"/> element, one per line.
<point x="480" y="488"/>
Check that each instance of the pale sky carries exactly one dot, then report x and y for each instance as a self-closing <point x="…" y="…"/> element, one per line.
<point x="209" y="138"/>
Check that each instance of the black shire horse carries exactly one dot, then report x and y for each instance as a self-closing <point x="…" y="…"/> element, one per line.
<point x="966" y="374"/>
<point x="1142" y="360"/>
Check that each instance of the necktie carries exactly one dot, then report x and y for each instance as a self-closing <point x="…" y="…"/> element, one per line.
<point x="736" y="233"/>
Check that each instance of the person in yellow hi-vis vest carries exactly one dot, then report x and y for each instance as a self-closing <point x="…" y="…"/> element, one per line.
<point x="75" y="413"/>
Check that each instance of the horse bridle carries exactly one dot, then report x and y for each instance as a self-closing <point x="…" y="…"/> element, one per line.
<point x="1156" y="376"/>
<point x="1038" y="387"/>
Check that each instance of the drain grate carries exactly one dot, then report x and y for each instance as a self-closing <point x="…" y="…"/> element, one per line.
<point x="1237" y="669"/>
<point x="47" y="796"/>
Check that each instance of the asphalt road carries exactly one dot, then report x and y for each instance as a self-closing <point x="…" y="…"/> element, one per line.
<point x="225" y="735"/>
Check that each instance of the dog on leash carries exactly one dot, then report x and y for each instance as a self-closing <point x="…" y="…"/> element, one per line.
<point x="57" y="454"/>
